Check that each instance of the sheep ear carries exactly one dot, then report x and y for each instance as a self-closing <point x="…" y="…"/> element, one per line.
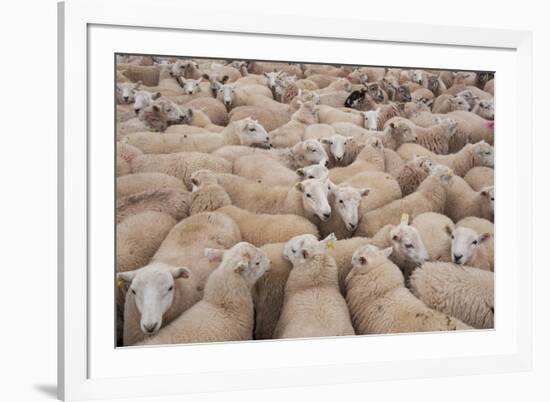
<point x="329" y="240"/>
<point x="325" y="140"/>
<point x="180" y="272"/>
<point x="484" y="237"/>
<point x="387" y="252"/>
<point x="214" y="254"/>
<point x="484" y="192"/>
<point x="189" y="113"/>
<point x="156" y="108"/>
<point x="137" y="84"/>
<point x="199" y="80"/>
<point x="241" y="266"/>
<point x="300" y="172"/>
<point x="225" y="78"/>
<point x="206" y="76"/>
<point x="448" y="229"/>
<point x="364" y="191"/>
<point x="362" y="260"/>
<point x="123" y="278"/>
<point x="156" y="95"/>
<point x="305" y="253"/>
<point x="299" y="186"/>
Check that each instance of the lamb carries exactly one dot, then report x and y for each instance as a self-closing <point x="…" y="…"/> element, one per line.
<point x="371" y="158"/>
<point x="206" y="195"/>
<point x="313" y="305"/>
<point x="466" y="293"/>
<point x="138" y="238"/>
<point x="380" y="303"/>
<point x="293" y="131"/>
<point x="226" y="313"/>
<point x="174" y="202"/>
<point x="413" y="173"/>
<point x="485" y="108"/>
<point x="480" y="177"/>
<point x="308" y="198"/>
<point x="355" y="197"/>
<point x="462" y="201"/>
<point x="473" y="243"/>
<point x="472" y="155"/>
<point x="430" y="197"/>
<point x="184" y="244"/>
<point x="125" y="92"/>
<point x="160" y="114"/>
<point x="180" y="165"/>
<point x="435" y="138"/>
<point x="213" y="108"/>
<point x="140" y="182"/>
<point x="158" y="293"/>
<point x="281" y="228"/>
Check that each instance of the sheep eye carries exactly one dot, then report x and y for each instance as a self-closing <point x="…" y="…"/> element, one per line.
<point x="133" y="291"/>
<point x="258" y="263"/>
<point x="171" y="288"/>
<point x="311" y="177"/>
<point x="453" y="237"/>
<point x="168" y="110"/>
<point x="492" y="198"/>
<point x="252" y="129"/>
<point x="341" y="201"/>
<point x="474" y="242"/>
<point x="308" y="195"/>
<point x="409" y="246"/>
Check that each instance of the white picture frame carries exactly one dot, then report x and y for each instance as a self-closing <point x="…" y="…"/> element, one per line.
<point x="91" y="368"/>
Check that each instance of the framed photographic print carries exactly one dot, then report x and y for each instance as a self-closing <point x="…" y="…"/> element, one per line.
<point x="249" y="204"/>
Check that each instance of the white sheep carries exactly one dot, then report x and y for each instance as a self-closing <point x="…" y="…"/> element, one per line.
<point x="473" y="243"/>
<point x="371" y="158"/>
<point x="466" y="293"/>
<point x="313" y="305"/>
<point x="139" y="182"/>
<point x="157" y="294"/>
<point x="380" y="303"/>
<point x="226" y="312"/>
<point x="463" y="201"/>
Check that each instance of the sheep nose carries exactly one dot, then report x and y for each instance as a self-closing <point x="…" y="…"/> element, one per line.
<point x="457" y="257"/>
<point x="150" y="328"/>
<point x="326" y="163"/>
<point x="352" y="226"/>
<point x="338" y="158"/>
<point x="326" y="215"/>
<point x="125" y="98"/>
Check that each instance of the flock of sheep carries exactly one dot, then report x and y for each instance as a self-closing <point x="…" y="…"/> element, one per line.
<point x="263" y="200"/>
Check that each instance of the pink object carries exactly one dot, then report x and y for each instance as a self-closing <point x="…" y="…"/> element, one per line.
<point x="491" y="124"/>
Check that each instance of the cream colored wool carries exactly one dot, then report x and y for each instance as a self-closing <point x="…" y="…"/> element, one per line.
<point x="207" y="194"/>
<point x="122" y="166"/>
<point x="167" y="143"/>
<point x="261" y="229"/>
<point x="292" y="132"/>
<point x="393" y="162"/>
<point x="226" y="312"/>
<point x="180" y="165"/>
<point x="329" y="115"/>
<point x="174" y="202"/>
<point x="411" y="176"/>
<point x="380" y="303"/>
<point x="139" y="237"/>
<point x="430" y="197"/>
<point x="322" y="80"/>
<point x="148" y="75"/>
<point x="234" y="152"/>
<point x="371" y="158"/>
<point x="480" y="129"/>
<point x="318" y="130"/>
<point x="268" y="118"/>
<point x="490" y="87"/>
<point x="184" y="245"/>
<point x="213" y="108"/>
<point x="264" y="170"/>
<point x="139" y="182"/>
<point x="460" y="162"/>
<point x="351" y="130"/>
<point x="433" y="229"/>
<point x="313" y="305"/>
<point x="124" y="113"/>
<point x="463" y="201"/>
<point x="127" y="151"/>
<point x="480" y="177"/>
<point x="466" y="293"/>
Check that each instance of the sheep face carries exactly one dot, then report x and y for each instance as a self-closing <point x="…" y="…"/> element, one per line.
<point x="318" y="171"/>
<point x="337" y="145"/>
<point x="371" y="119"/>
<point x="182" y="68"/>
<point x="459" y="103"/>
<point x="225" y="93"/>
<point x="407" y="241"/>
<point x="417" y="77"/>
<point x="424" y="163"/>
<point x="465" y="244"/>
<point x="126" y="91"/>
<point x="191" y="87"/>
<point x="368" y="257"/>
<point x="152" y="289"/>
<point x="486" y="109"/>
<point x="488" y="194"/>
<point x="375" y="92"/>
<point x="144" y="99"/>
<point x="243" y="259"/>
<point x="253" y="134"/>
<point x="300" y="248"/>
<point x="444" y="173"/>
<point x="315" y="198"/>
<point x="311" y="152"/>
<point x="346" y="204"/>
<point x="170" y="112"/>
<point x="309" y="96"/>
<point x="272" y="78"/>
<point x="485" y="153"/>
<point x="403" y="94"/>
<point x="402" y="132"/>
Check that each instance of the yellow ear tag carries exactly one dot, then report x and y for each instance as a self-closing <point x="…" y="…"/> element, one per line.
<point x="405" y="219"/>
<point x="330" y="245"/>
<point x="120" y="283"/>
<point x="238" y="270"/>
<point x="297" y="185"/>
